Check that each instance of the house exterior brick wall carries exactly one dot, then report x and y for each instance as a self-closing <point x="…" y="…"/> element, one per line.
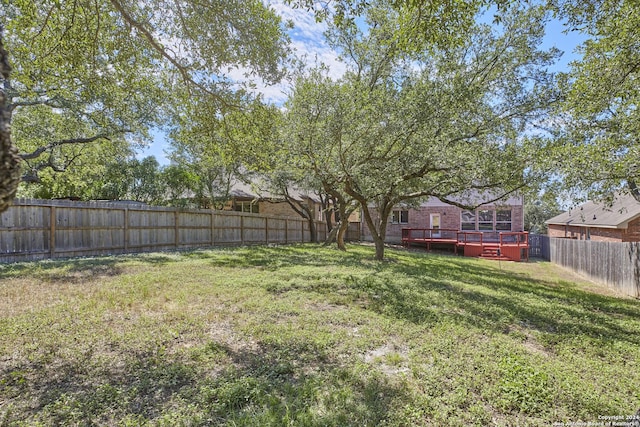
<point x="630" y="234"/>
<point x="418" y="218"/>
<point x="277" y="209"/>
<point x="450" y="218"/>
<point x="633" y="232"/>
<point x="281" y="208"/>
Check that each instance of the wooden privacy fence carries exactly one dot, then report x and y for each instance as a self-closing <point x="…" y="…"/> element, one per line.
<point x="39" y="229"/>
<point x="614" y="264"/>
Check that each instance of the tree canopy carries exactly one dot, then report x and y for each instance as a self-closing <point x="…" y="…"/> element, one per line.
<point x="402" y="126"/>
<point x="596" y="144"/>
<point x="104" y="72"/>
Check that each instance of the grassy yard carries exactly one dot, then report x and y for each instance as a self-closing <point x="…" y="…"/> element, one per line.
<point x="308" y="336"/>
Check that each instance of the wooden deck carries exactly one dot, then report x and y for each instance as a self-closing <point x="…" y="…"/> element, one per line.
<point x="507" y="246"/>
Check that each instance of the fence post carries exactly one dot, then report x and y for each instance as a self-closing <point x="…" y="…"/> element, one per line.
<point x="242" y="229"/>
<point x="126" y="230"/>
<point x="176" y="231"/>
<point x="52" y="228"/>
<point x="266" y="230"/>
<point x="213" y="222"/>
<point x="286" y="231"/>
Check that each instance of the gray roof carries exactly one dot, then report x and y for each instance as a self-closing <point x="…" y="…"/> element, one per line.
<point x="598" y="214"/>
<point x="255" y="191"/>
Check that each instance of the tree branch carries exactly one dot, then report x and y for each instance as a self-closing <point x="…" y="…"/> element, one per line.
<point x="47" y="102"/>
<point x="445" y="199"/>
<point x="40" y="150"/>
<point x="184" y="71"/>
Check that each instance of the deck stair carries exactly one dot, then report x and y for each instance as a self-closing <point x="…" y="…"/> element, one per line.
<point x="493" y="252"/>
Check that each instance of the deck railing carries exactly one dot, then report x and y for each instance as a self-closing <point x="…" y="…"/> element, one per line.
<point x="519" y="238"/>
<point x="423" y="234"/>
<point x="515" y="238"/>
<point x="470" y="237"/>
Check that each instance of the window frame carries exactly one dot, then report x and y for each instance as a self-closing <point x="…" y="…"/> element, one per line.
<point x="472" y="223"/>
<point x="397" y="216"/>
<point x="503" y="222"/>
<point x="483" y="222"/>
<point x="241" y="206"/>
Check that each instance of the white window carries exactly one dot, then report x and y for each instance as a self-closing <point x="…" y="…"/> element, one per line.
<point x="468" y="221"/>
<point x="251" y="207"/>
<point x="503" y="220"/>
<point x="400" y="217"/>
<point x="485" y="220"/>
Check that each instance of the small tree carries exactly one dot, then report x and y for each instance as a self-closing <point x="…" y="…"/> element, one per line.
<point x="539" y="209"/>
<point x="180" y="184"/>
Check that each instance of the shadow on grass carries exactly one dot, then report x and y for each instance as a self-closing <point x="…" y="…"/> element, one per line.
<point x="414" y="286"/>
<point x="271" y="257"/>
<point x="275" y="257"/>
<point x="297" y="382"/>
<point x="425" y="289"/>
<point x="74" y="270"/>
<point x="274" y="384"/>
<point x="484" y="297"/>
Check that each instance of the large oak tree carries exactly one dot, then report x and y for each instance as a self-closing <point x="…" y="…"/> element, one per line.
<point x="404" y="125"/>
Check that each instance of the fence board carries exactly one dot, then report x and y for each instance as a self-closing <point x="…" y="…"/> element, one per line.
<point x="276" y="230"/>
<point x="614" y="264"/>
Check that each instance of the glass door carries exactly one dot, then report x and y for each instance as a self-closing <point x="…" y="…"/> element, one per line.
<point x="435" y="225"/>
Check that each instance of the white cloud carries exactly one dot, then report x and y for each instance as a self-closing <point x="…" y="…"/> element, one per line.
<point x="308" y="44"/>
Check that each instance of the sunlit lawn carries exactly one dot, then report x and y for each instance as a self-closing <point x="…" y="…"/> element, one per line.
<point x="303" y="335"/>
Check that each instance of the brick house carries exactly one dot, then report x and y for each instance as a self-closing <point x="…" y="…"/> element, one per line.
<point x="504" y="216"/>
<point x="599" y="222"/>
<point x="244" y="198"/>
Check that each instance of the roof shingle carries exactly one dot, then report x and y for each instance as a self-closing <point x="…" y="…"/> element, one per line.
<point x="597" y="214"/>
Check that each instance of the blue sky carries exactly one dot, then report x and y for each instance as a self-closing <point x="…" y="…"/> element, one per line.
<point x="308" y="42"/>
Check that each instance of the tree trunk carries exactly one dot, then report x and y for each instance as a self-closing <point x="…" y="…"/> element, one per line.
<point x="635" y="191"/>
<point x="344" y="212"/>
<point x="379" y="246"/>
<point x="313" y="231"/>
<point x="327" y="211"/>
<point x="377" y="233"/>
<point x="384" y="210"/>
<point x="9" y="159"/>
<point x="331" y="237"/>
<point x="342" y="231"/>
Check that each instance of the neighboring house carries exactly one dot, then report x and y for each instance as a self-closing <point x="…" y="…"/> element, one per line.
<point x="244" y="198"/>
<point x="506" y="215"/>
<point x="597" y="221"/>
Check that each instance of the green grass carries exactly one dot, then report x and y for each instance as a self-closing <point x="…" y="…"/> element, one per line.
<point x="310" y="336"/>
